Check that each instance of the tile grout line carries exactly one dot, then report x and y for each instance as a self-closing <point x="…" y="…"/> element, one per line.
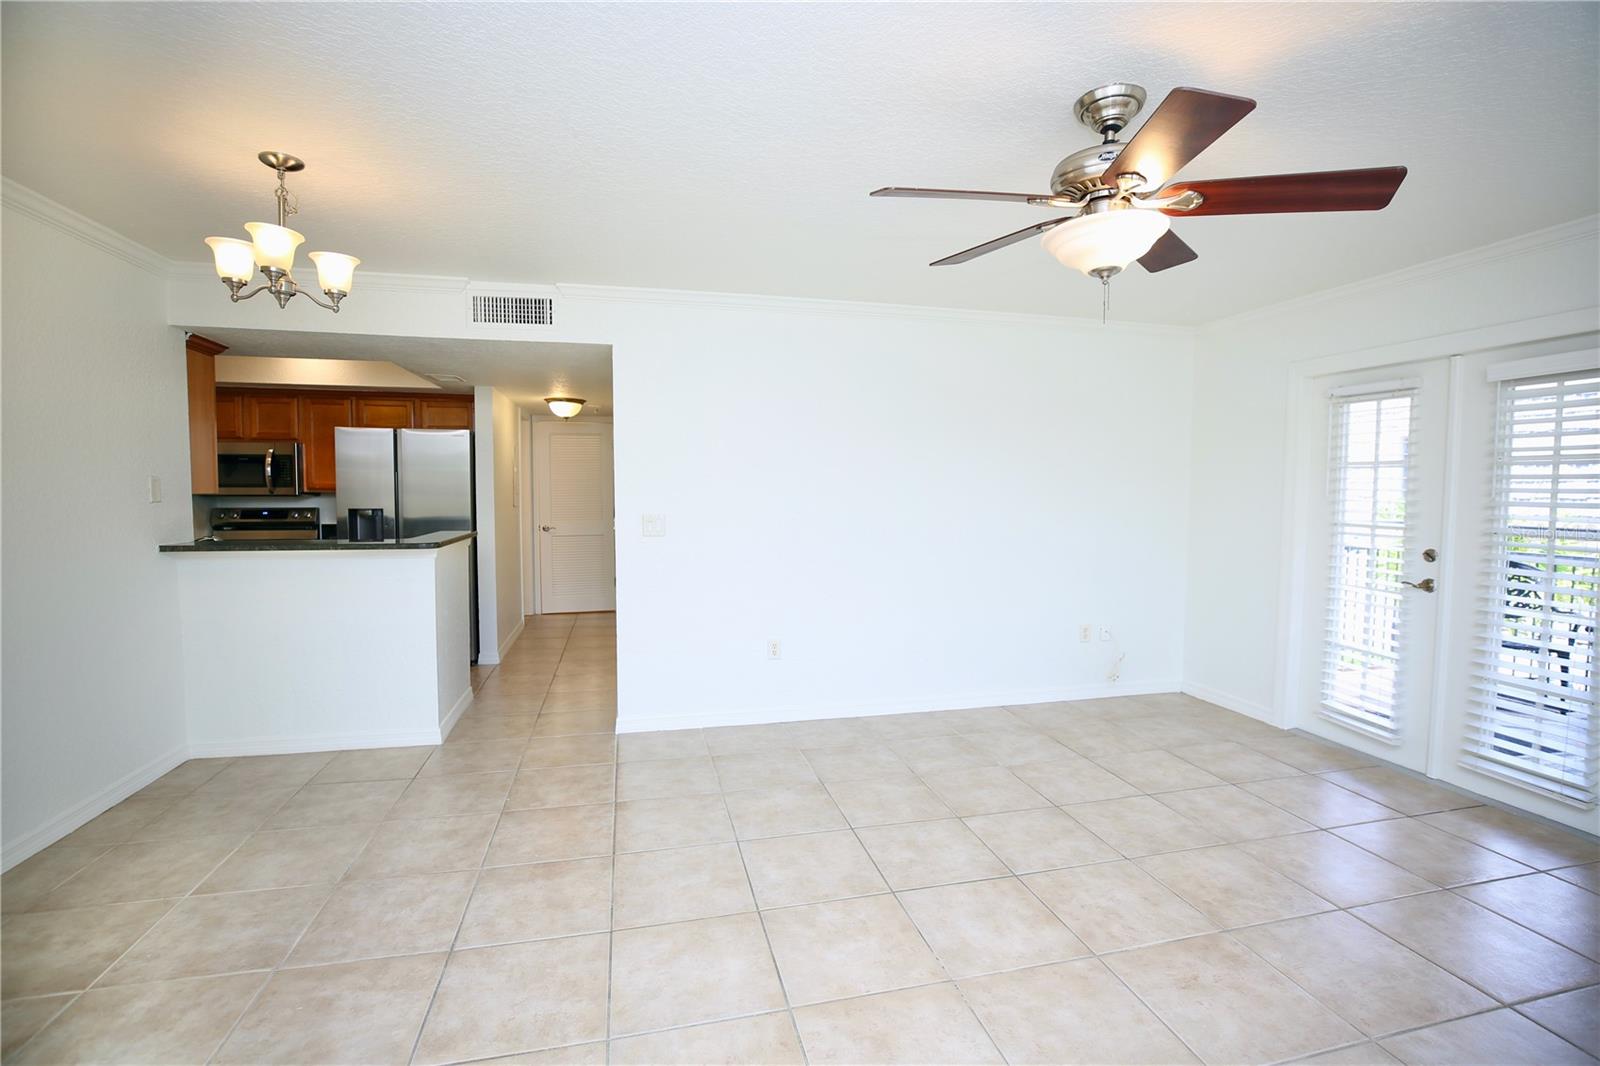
<point x="332" y="891"/>
<point x="472" y="891"/>
<point x="755" y="903"/>
<point x="1051" y="911"/>
<point x="893" y="892"/>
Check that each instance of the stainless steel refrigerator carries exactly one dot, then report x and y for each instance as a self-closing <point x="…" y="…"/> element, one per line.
<point x="423" y="480"/>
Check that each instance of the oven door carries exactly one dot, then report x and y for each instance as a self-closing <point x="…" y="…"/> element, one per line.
<point x="258" y="468"/>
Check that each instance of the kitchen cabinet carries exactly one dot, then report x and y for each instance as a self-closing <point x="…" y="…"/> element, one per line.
<point x="271" y="416"/>
<point x="384" y="412"/>
<point x="230" y="416"/>
<point x="444" y="413"/>
<point x="320" y="415"/>
<point x="201" y="360"/>
<point x="307" y="415"/>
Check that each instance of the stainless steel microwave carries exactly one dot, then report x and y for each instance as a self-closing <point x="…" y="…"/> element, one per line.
<point x="259" y="467"/>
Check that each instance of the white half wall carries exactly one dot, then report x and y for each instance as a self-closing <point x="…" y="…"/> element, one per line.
<point x="1539" y="285"/>
<point x="95" y="403"/>
<point x="289" y="651"/>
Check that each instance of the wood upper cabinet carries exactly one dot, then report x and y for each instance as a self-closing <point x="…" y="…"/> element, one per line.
<point x="308" y="416"/>
<point x="383" y="412"/>
<point x="271" y="416"/>
<point x="201" y="356"/>
<point x="453" y="412"/>
<point x="230" y="416"/>
<point x="319" y="417"/>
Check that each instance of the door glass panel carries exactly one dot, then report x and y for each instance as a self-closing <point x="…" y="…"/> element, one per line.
<point x="1369" y="476"/>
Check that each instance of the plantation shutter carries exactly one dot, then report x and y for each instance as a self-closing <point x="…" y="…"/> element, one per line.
<point x="1369" y="484"/>
<point x="1532" y="719"/>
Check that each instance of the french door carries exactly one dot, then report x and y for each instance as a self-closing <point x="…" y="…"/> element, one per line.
<point x="1370" y="573"/>
<point x="1447" y="570"/>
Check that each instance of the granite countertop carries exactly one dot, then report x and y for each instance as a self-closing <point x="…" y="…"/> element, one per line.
<point x="426" y="540"/>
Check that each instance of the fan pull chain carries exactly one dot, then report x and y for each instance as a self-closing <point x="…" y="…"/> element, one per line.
<point x="1105" y="298"/>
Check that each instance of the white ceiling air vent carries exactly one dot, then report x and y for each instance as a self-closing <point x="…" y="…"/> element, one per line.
<point x="447" y="379"/>
<point x="514" y="310"/>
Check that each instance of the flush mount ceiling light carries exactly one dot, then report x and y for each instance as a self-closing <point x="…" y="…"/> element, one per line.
<point x="1119" y="194"/>
<point x="272" y="247"/>
<point x="564" y="407"/>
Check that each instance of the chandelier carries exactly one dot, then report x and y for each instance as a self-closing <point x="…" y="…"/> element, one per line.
<point x="272" y="247"/>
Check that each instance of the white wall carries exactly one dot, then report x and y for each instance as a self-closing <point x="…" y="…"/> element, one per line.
<point x="1540" y="285"/>
<point x="94" y="403"/>
<point x="922" y="507"/>
<point x="495" y="428"/>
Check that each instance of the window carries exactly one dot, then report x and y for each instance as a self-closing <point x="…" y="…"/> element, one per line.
<point x="1369" y="475"/>
<point x="1533" y="716"/>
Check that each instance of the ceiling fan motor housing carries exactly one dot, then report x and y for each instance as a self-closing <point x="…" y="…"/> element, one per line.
<point x="1107" y="110"/>
<point x="1078" y="175"/>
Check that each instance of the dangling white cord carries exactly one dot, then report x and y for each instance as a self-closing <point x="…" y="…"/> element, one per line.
<point x="1105" y="298"/>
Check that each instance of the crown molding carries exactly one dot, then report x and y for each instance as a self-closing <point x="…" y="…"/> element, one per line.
<point x="801" y="305"/>
<point x="41" y="208"/>
<point x="1511" y="248"/>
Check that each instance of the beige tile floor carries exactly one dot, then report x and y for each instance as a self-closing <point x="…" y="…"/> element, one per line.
<point x="1144" y="879"/>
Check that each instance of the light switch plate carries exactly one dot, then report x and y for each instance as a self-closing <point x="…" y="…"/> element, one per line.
<point x="154" y="489"/>
<point x="654" y="525"/>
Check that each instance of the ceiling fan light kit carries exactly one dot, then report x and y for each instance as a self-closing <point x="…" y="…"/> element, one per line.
<point x="1120" y="195"/>
<point x="272" y="248"/>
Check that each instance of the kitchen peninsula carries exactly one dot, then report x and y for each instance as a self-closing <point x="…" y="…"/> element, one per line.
<point x="315" y="645"/>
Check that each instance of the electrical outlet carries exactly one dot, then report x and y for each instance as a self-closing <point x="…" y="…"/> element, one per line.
<point x="774" y="650"/>
<point x="154" y="489"/>
<point x="1084" y="632"/>
<point x="1105" y="632"/>
<point x="653" y="525"/>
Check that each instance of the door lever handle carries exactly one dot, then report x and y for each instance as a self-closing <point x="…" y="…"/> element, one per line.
<point x="547" y="528"/>
<point x="1425" y="585"/>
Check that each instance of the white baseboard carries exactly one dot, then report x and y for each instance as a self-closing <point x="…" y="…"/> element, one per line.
<point x="306" y="742"/>
<point x="1232" y="703"/>
<point x="511" y="638"/>
<point x="34" y="841"/>
<point x="762" y="716"/>
<point x="453" y="715"/>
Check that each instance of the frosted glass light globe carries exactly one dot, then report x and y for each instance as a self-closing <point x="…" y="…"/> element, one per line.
<point x="274" y="245"/>
<point x="1110" y="239"/>
<point x="235" y="259"/>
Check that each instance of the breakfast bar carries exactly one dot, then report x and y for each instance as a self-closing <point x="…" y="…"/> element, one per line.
<point x="316" y="645"/>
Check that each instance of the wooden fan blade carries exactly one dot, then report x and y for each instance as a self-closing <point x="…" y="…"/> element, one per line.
<point x="998" y="243"/>
<point x="1168" y="252"/>
<point x="959" y="194"/>
<point x="1325" y="190"/>
<point x="1185" y="124"/>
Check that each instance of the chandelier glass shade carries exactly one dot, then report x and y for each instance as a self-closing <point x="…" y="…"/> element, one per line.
<point x="271" y="249"/>
<point x="1101" y="244"/>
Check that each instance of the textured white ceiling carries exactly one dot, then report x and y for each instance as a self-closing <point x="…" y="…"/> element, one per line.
<point x="731" y="147"/>
<point x="527" y="371"/>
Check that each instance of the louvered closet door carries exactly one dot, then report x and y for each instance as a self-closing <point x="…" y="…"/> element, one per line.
<point x="574" y="520"/>
<point x="1369" y="632"/>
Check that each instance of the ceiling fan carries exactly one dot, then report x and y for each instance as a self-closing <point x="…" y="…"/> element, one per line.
<point x="1120" y="194"/>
